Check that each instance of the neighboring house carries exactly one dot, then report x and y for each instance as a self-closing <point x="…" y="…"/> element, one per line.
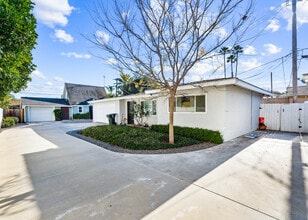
<point x="74" y="100"/>
<point x="230" y="106"/>
<point x="302" y="94"/>
<point x="37" y="109"/>
<point x="78" y="95"/>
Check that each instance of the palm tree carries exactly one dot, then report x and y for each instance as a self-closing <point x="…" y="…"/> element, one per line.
<point x="236" y="50"/>
<point x="233" y="58"/>
<point x="110" y="91"/>
<point x="224" y="51"/>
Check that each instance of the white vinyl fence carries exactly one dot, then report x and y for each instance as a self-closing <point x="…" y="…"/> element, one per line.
<point x="285" y="117"/>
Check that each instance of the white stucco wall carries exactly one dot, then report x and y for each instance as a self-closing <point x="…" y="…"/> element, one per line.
<point x="231" y="110"/>
<point x="101" y="109"/>
<point x="1" y="116"/>
<point x="242" y="112"/>
<point x="212" y="119"/>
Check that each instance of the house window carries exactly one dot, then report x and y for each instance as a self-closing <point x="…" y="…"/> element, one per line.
<point x="185" y="104"/>
<point x="200" y="103"/>
<point x="149" y="106"/>
<point x="154" y="107"/>
<point x="190" y="104"/>
<point x="80" y="109"/>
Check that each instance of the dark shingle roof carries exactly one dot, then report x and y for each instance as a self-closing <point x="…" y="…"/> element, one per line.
<point x="43" y="101"/>
<point x="80" y="94"/>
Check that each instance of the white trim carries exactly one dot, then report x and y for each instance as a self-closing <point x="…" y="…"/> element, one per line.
<point x="225" y="82"/>
<point x="190" y="86"/>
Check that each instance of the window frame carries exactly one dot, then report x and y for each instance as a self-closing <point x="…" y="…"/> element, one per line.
<point x="150" y="106"/>
<point x="195" y="104"/>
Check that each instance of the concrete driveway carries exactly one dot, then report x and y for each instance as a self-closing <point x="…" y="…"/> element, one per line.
<point x="47" y="174"/>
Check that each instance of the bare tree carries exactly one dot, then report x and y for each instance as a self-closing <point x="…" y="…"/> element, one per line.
<point x="163" y="39"/>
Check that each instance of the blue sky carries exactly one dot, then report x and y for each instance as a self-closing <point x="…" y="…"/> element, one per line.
<point x="62" y="53"/>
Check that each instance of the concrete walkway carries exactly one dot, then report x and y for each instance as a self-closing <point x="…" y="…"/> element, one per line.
<point x="47" y="174"/>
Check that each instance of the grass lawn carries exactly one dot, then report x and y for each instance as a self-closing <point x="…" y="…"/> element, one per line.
<point x="136" y="138"/>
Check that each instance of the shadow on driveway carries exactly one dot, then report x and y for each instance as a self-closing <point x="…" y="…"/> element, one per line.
<point x="298" y="197"/>
<point x="72" y="178"/>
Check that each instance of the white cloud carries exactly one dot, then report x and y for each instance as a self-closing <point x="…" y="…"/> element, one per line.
<point x="52" y="12"/>
<point x="272" y="8"/>
<point x="102" y="37"/>
<point x="249" y="50"/>
<point x="58" y="79"/>
<point x="301" y="13"/>
<point x="203" y="70"/>
<point x="111" y="61"/>
<point x="62" y="36"/>
<point x="220" y="32"/>
<point x="273" y="25"/>
<point x="49" y="84"/>
<point x="38" y="74"/>
<point x="272" y="49"/>
<point x="76" y="55"/>
<point x="248" y="64"/>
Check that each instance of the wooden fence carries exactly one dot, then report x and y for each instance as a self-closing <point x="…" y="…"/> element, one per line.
<point x="14" y="112"/>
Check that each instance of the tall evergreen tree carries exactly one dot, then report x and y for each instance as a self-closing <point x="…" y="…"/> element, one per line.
<point x="17" y="39"/>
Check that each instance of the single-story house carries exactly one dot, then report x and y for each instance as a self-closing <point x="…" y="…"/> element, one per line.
<point x="74" y="101"/>
<point x="36" y="109"/>
<point x="230" y="106"/>
<point x="78" y="95"/>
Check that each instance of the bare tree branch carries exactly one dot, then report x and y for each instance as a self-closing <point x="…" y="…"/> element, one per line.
<point x="164" y="39"/>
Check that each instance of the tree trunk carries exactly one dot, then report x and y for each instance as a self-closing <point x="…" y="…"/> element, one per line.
<point x="171" y="117"/>
<point x="225" y="65"/>
<point x="236" y="64"/>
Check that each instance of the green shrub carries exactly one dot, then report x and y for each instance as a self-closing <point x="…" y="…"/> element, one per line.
<point x="194" y="133"/>
<point x="135" y="138"/>
<point x="57" y="113"/>
<point x="9" y="122"/>
<point x="16" y="119"/>
<point x="82" y="116"/>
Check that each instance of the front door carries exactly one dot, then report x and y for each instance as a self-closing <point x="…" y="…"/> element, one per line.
<point x="130" y="112"/>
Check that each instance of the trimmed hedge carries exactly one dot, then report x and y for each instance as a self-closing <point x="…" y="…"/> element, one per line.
<point x="9" y="122"/>
<point x="82" y="116"/>
<point x="135" y="138"/>
<point x="194" y="133"/>
<point x="57" y="113"/>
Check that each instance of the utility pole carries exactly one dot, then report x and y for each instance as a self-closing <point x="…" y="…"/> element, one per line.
<point x="271" y="82"/>
<point x="294" y="50"/>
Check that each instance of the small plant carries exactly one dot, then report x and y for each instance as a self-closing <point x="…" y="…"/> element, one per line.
<point x="82" y="116"/>
<point x="9" y="122"/>
<point x="57" y="113"/>
<point x="141" y="114"/>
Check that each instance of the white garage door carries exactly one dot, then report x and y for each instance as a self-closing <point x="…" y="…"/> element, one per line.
<point x="41" y="114"/>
